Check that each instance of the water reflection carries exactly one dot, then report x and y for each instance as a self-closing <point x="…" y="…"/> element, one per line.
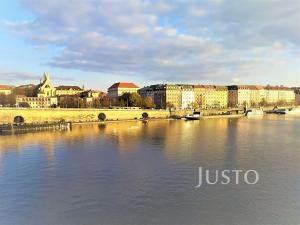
<point x="131" y="172"/>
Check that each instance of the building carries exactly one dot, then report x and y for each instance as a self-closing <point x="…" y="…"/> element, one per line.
<point x="118" y="89"/>
<point x="298" y="98"/>
<point x="146" y="92"/>
<point x="211" y="96"/>
<point x="6" y="89"/>
<point x="92" y="94"/>
<point x="297" y="95"/>
<point x="187" y="97"/>
<point x="45" y="89"/>
<point x="68" y="90"/>
<point x="280" y="95"/>
<point x="254" y="95"/>
<point x="184" y="96"/>
<point x="177" y="96"/>
<point x="240" y="95"/>
<point x="36" y="102"/>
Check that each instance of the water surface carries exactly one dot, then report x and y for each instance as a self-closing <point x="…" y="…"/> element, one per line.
<point x="134" y="173"/>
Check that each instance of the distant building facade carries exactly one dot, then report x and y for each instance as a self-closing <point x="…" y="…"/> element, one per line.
<point x="36" y="102"/>
<point x="254" y="95"/>
<point x="68" y="90"/>
<point x="183" y="96"/>
<point x="6" y="89"/>
<point x="277" y="94"/>
<point x="211" y="96"/>
<point x="165" y="95"/>
<point x="92" y="94"/>
<point x="187" y="97"/>
<point x="118" y="89"/>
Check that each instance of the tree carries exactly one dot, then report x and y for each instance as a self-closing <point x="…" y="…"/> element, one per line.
<point x="169" y="105"/>
<point x="24" y="105"/>
<point x="131" y="100"/>
<point x="148" y="103"/>
<point x="7" y="100"/>
<point x="135" y="100"/>
<point x="263" y="102"/>
<point x="194" y="105"/>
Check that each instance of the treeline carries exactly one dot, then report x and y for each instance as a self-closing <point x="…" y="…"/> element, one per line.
<point x="7" y="100"/>
<point x="135" y="100"/>
<point x="126" y="100"/>
<point x="10" y="100"/>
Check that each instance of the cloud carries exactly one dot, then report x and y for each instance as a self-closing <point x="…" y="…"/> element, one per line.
<point x="16" y="76"/>
<point x="167" y="40"/>
<point x="12" y="77"/>
<point x="197" y="12"/>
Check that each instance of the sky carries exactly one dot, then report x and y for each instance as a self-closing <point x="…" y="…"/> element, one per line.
<point x="98" y="42"/>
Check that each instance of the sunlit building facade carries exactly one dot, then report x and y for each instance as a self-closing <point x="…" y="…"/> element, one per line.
<point x="118" y="89"/>
<point x="211" y="96"/>
<point x="6" y="89"/>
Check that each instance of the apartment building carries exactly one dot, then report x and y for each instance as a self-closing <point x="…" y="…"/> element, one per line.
<point x="118" y="89"/>
<point x="6" y="89"/>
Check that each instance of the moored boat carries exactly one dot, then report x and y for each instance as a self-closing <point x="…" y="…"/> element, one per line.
<point x="294" y="111"/>
<point x="254" y="112"/>
<point x="280" y="111"/>
<point x="194" y="116"/>
<point x="288" y="111"/>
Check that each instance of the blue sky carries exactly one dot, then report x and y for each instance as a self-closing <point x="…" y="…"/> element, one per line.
<point x="98" y="42"/>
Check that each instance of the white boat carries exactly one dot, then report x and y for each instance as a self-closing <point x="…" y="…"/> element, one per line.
<point x="254" y="112"/>
<point x="194" y="116"/>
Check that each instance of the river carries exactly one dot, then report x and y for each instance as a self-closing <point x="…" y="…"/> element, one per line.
<point x="127" y="173"/>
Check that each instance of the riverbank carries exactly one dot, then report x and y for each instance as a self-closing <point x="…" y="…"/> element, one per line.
<point x="32" y="127"/>
<point x="49" y="115"/>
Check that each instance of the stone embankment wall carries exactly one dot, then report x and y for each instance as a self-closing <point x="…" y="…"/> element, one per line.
<point x="8" y="115"/>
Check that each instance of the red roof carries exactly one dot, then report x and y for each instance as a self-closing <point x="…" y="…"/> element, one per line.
<point x="5" y="87"/>
<point x="123" y="85"/>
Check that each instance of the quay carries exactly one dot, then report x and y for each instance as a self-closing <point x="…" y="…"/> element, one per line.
<point x="14" y="128"/>
<point x="75" y="115"/>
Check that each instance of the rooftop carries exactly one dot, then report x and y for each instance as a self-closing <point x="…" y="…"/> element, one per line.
<point x="6" y="87"/>
<point x="123" y="85"/>
<point x="69" y="88"/>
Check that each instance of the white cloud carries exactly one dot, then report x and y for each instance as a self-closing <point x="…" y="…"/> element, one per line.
<point x="182" y="40"/>
<point x="197" y="12"/>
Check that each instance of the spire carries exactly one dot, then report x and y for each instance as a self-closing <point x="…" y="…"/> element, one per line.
<point x="45" y="76"/>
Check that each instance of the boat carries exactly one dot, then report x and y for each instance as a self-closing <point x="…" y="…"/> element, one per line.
<point x="254" y="112"/>
<point x="289" y="111"/>
<point x="280" y="111"/>
<point x="194" y="116"/>
<point x="294" y="111"/>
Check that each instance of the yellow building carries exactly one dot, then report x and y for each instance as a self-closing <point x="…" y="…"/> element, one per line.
<point x="45" y="89"/>
<point x="167" y="95"/>
<point x="36" y="102"/>
<point x="280" y="94"/>
<point x="211" y="96"/>
<point x="68" y="90"/>
<point x="5" y="89"/>
<point x="173" y="96"/>
<point x="118" y="89"/>
<point x="297" y="98"/>
<point x="254" y="95"/>
<point x="240" y="95"/>
<point x="187" y="97"/>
